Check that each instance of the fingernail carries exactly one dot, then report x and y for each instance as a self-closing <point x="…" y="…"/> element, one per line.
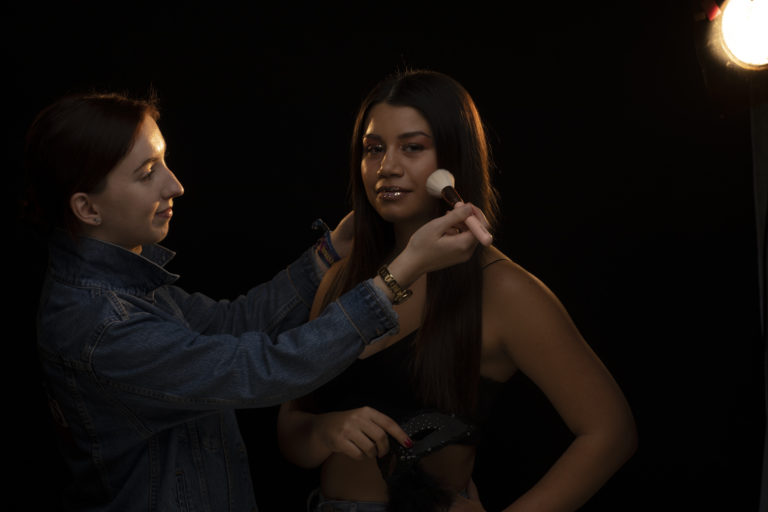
<point x="408" y="443"/>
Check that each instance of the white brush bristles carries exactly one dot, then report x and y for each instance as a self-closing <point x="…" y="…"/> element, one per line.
<point x="438" y="180"/>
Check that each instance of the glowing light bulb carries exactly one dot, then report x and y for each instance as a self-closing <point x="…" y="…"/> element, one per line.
<point x="744" y="26"/>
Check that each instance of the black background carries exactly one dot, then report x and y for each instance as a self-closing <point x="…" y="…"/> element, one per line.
<point x="624" y="165"/>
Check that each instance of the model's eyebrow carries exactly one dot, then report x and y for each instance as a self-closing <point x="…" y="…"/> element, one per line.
<point x="413" y="134"/>
<point x="402" y="136"/>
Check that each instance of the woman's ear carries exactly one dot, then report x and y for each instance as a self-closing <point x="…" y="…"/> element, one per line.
<point x="85" y="211"/>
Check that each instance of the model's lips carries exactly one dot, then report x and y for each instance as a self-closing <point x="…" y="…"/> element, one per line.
<point x="391" y="193"/>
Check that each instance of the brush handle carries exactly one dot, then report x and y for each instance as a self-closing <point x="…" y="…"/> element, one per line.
<point x="453" y="198"/>
<point x="477" y="229"/>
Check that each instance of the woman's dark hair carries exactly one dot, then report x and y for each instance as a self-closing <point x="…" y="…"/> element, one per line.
<point x="446" y="363"/>
<point x="71" y="146"/>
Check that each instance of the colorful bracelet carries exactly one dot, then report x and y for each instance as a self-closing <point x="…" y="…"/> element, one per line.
<point x="324" y="246"/>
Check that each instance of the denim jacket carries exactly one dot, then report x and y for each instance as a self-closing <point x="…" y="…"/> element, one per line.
<point x="144" y="377"/>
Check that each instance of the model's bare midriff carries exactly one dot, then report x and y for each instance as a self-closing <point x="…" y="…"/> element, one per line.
<point x="349" y="479"/>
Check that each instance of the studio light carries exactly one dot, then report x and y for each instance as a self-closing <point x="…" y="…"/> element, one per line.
<point x="744" y="29"/>
<point x="740" y="32"/>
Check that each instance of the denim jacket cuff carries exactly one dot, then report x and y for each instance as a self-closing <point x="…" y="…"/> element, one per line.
<point x="358" y="304"/>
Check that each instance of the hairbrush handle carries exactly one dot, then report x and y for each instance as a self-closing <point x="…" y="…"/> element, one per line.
<point x="453" y="198"/>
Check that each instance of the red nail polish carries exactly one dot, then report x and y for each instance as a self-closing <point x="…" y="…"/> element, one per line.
<point x="408" y="443"/>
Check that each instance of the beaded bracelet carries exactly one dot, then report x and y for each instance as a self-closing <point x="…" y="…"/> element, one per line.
<point x="324" y="245"/>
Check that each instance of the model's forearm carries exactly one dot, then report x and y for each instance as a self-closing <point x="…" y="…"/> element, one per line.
<point x="299" y="439"/>
<point x="579" y="473"/>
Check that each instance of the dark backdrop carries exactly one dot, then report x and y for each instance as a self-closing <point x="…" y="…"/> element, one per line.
<point x="624" y="166"/>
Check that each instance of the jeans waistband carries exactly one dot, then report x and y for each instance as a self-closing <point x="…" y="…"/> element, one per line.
<point x="319" y="503"/>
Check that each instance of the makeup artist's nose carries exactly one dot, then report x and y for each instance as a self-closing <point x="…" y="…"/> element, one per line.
<point x="389" y="166"/>
<point x="173" y="187"/>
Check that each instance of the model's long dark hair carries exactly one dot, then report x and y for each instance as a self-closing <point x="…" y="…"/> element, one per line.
<point x="446" y="362"/>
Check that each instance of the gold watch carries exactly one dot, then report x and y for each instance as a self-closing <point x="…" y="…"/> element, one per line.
<point x="389" y="280"/>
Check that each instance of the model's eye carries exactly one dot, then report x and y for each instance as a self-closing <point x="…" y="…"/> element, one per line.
<point x="373" y="150"/>
<point x="412" y="147"/>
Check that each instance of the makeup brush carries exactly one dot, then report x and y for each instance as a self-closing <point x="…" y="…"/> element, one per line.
<point x="441" y="184"/>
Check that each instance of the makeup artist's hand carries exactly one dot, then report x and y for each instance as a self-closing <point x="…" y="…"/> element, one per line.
<point x="343" y="235"/>
<point x="477" y="212"/>
<point x="359" y="433"/>
<point x="478" y="224"/>
<point x="434" y="246"/>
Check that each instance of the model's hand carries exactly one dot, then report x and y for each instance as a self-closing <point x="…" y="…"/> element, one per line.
<point x="343" y="235"/>
<point x="360" y="433"/>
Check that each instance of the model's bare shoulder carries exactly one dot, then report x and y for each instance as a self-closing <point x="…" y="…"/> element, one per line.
<point x="505" y="279"/>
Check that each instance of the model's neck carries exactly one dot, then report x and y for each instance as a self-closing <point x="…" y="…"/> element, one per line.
<point x="403" y="232"/>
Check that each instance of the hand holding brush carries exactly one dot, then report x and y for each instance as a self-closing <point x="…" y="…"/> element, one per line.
<point x="441" y="184"/>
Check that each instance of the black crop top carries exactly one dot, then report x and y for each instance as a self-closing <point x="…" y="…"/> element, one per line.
<point x="382" y="381"/>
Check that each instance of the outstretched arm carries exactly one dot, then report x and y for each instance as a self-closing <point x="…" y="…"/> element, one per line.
<point x="307" y="439"/>
<point x="431" y="247"/>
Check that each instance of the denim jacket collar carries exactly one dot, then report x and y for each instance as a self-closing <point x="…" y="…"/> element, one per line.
<point x="87" y="261"/>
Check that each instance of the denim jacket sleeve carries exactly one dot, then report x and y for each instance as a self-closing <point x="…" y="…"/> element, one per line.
<point x="280" y="303"/>
<point x="150" y="361"/>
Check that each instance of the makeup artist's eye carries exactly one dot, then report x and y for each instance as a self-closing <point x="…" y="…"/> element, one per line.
<point x="147" y="173"/>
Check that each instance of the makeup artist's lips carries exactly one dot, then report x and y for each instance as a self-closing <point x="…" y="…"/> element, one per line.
<point x="166" y="214"/>
<point x="391" y="193"/>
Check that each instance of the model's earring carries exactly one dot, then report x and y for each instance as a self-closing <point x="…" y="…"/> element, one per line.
<point x="97" y="220"/>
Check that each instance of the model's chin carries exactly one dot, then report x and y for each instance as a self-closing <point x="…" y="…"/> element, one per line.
<point x="389" y="214"/>
<point x="398" y="213"/>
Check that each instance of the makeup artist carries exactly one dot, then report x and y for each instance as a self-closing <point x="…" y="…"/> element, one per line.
<point x="145" y="376"/>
